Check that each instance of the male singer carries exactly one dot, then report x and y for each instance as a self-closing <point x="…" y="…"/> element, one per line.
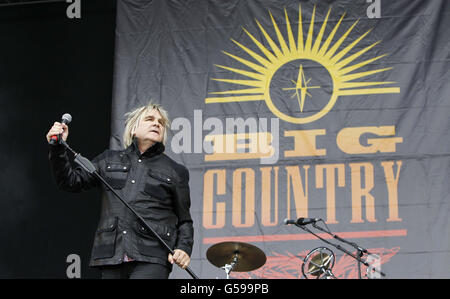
<point x="152" y="183"/>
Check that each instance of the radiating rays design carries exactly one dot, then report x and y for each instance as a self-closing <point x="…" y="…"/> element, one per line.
<point x="341" y="64"/>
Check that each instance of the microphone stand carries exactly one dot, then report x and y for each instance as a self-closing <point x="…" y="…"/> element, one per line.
<point x="357" y="257"/>
<point x="360" y="251"/>
<point x="89" y="167"/>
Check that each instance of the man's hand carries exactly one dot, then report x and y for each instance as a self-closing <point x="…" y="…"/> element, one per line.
<point x="56" y="129"/>
<point x="180" y="258"/>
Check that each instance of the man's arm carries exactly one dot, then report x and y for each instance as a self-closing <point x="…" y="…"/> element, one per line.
<point x="67" y="177"/>
<point x="185" y="241"/>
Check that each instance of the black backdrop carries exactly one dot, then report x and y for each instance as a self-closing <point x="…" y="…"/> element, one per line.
<point x="50" y="65"/>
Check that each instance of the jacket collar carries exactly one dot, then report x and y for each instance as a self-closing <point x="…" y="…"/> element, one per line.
<point x="156" y="149"/>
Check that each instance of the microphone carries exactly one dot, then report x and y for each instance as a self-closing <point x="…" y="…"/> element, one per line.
<point x="65" y="119"/>
<point x="301" y="221"/>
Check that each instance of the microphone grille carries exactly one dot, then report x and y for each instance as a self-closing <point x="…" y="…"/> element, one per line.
<point x="285" y="221"/>
<point x="67" y="117"/>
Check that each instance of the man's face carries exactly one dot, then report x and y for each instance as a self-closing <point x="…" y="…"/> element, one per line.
<point x="150" y="128"/>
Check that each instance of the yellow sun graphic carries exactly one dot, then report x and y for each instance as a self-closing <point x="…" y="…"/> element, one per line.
<point x="340" y="66"/>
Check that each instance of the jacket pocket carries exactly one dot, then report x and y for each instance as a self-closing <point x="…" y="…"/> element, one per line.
<point x="159" y="185"/>
<point x="116" y="174"/>
<point x="160" y="177"/>
<point x="105" y="240"/>
<point x="149" y="245"/>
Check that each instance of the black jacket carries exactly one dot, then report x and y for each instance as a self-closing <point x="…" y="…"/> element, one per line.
<point x="152" y="183"/>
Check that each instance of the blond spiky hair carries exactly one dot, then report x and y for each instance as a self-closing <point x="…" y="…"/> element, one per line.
<point x="134" y="117"/>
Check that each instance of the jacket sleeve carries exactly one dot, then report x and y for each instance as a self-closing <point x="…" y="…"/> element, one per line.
<point x="185" y="239"/>
<point x="67" y="177"/>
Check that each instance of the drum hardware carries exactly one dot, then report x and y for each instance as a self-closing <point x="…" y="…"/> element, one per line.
<point x="236" y="256"/>
<point x="318" y="263"/>
<point x="358" y="257"/>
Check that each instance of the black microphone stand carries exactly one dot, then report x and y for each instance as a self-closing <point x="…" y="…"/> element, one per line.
<point x="89" y="167"/>
<point x="360" y="250"/>
<point x="357" y="257"/>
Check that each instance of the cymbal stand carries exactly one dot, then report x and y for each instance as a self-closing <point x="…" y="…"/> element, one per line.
<point x="229" y="267"/>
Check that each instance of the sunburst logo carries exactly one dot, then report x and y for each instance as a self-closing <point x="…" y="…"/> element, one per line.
<point x="301" y="78"/>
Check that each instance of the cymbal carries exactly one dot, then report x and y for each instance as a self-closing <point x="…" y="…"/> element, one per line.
<point x="321" y="260"/>
<point x="249" y="257"/>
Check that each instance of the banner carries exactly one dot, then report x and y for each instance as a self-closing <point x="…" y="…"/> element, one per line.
<point x="287" y="109"/>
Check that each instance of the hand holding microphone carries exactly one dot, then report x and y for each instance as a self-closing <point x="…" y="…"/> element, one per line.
<point x="59" y="130"/>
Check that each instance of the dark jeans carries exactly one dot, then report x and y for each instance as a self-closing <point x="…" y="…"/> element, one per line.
<point x="135" y="270"/>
